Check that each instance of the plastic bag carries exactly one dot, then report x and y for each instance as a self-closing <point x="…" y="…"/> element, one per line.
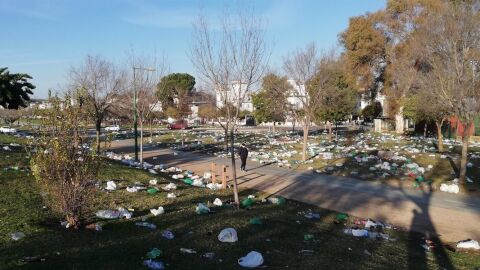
<point x="252" y="260"/>
<point x="217" y="202"/>
<point x="228" y="235"/>
<point x="158" y="211"/>
<point x="111" y="186"/>
<point x="202" y="209"/>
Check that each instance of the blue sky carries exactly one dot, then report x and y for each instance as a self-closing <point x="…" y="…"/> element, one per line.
<point x="45" y="37"/>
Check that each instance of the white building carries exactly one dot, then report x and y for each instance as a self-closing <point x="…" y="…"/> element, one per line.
<point x="297" y="96"/>
<point x="233" y="94"/>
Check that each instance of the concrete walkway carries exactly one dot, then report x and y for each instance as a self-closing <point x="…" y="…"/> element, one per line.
<point x="452" y="217"/>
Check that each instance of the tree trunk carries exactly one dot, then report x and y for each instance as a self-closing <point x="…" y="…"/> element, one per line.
<point x="329" y="126"/>
<point x="293" y="126"/>
<point x="463" y="160"/>
<point x="234" y="169"/>
<point x="141" y="140"/>
<point x="98" y="126"/>
<point x="425" y="130"/>
<point x="439" y="135"/>
<point x="151" y="130"/>
<point x="306" y="128"/>
<point x="226" y="139"/>
<point x="273" y="128"/>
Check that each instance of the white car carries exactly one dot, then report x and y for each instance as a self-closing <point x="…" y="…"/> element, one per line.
<point x="113" y="128"/>
<point x="7" y="130"/>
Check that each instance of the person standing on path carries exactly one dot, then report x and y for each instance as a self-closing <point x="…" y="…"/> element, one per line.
<point x="243" y="153"/>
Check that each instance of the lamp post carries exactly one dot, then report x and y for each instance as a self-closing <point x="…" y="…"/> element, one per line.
<point x="135" y="116"/>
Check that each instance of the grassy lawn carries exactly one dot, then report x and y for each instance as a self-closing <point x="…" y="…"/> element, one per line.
<point x="122" y="245"/>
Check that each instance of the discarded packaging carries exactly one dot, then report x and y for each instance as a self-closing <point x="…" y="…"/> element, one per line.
<point x="228" y="235"/>
<point x="157" y="211"/>
<point x="468" y="244"/>
<point x="252" y="260"/>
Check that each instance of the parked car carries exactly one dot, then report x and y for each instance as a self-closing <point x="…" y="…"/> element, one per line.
<point x="115" y="128"/>
<point x="178" y="125"/>
<point x="7" y="130"/>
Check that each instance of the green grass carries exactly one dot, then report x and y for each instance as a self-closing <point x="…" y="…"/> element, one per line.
<point x="122" y="245"/>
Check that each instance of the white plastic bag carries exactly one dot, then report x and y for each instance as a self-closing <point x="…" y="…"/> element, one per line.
<point x="217" y="202"/>
<point x="158" y="211"/>
<point x="468" y="244"/>
<point x="228" y="235"/>
<point x="252" y="260"/>
<point x="111" y="185"/>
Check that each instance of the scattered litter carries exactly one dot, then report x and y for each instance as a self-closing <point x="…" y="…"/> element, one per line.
<point x="468" y="244"/>
<point x="277" y="200"/>
<point x="157" y="211"/>
<point x="146" y="224"/>
<point x="111" y="186"/>
<point x="217" y="202"/>
<point x="170" y="187"/>
<point x="112" y="214"/>
<point x="171" y="195"/>
<point x="152" y="264"/>
<point x="168" y="234"/>
<point x="255" y="221"/>
<point x="152" y="191"/>
<point x="153" y="182"/>
<point x="308" y="237"/>
<point x="252" y="260"/>
<point x="154" y="253"/>
<point x="453" y="188"/>
<point x="187" y="251"/>
<point x="228" y="235"/>
<point x="17" y="236"/>
<point x="202" y="209"/>
<point x="209" y="255"/>
<point x="247" y="202"/>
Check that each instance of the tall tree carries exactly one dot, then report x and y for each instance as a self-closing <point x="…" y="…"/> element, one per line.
<point x="231" y="61"/>
<point x="100" y="84"/>
<point x="176" y="87"/>
<point x="270" y="103"/>
<point x="338" y="99"/>
<point x="365" y="54"/>
<point x="15" y="89"/>
<point x="449" y="44"/>
<point x="302" y="66"/>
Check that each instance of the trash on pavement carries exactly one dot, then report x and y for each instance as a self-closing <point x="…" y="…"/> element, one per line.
<point x="453" y="188"/>
<point x="228" y="235"/>
<point x="252" y="260"/>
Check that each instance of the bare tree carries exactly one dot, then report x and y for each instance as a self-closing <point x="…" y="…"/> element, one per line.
<point x="101" y="83"/>
<point x="232" y="62"/>
<point x="449" y="44"/>
<point x="147" y="71"/>
<point x="302" y="65"/>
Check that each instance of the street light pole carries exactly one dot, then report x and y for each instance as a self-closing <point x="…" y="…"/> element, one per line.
<point x="135" y="114"/>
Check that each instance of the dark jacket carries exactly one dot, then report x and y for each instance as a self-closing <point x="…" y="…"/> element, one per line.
<point x="243" y="152"/>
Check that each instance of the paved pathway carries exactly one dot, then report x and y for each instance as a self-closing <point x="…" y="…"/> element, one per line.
<point x="452" y="217"/>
